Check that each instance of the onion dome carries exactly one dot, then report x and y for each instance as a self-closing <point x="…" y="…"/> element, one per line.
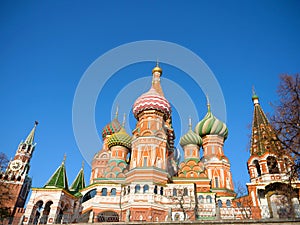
<point x="211" y="125"/>
<point x="190" y="138"/>
<point x="111" y="128"/>
<point x="153" y="99"/>
<point x="120" y="138"/>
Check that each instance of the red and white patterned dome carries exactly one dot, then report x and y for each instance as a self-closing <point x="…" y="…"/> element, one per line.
<point x="152" y="100"/>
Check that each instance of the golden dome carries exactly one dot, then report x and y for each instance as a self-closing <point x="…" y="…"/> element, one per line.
<point x="157" y="69"/>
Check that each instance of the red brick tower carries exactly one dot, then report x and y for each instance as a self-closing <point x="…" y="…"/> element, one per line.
<point x="15" y="179"/>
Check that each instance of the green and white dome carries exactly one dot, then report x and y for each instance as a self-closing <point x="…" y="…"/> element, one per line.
<point x="190" y="138"/>
<point x="210" y="125"/>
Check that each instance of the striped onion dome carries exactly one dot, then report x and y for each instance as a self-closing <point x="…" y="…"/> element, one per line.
<point x="111" y="128"/>
<point x="152" y="100"/>
<point x="120" y="138"/>
<point x="190" y="138"/>
<point x="211" y="125"/>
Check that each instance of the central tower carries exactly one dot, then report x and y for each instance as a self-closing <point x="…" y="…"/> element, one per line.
<point x="153" y="136"/>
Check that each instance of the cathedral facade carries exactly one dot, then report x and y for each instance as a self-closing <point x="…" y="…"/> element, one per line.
<point x="140" y="177"/>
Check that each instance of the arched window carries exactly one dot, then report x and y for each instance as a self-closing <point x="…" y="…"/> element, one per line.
<point x="174" y="192"/>
<point x="228" y="203"/>
<point x="208" y="199"/>
<point x="104" y="192"/>
<point x="90" y="194"/>
<point x="128" y="189"/>
<point x="137" y="188"/>
<point x="272" y="165"/>
<point x="161" y="191"/>
<point x="220" y="203"/>
<point x="201" y="199"/>
<point x="155" y="189"/>
<point x="255" y="162"/>
<point x="124" y="191"/>
<point x="185" y="192"/>
<point x="113" y="192"/>
<point x="146" y="188"/>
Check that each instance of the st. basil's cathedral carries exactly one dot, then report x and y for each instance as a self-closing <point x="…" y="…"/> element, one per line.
<point x="141" y="177"/>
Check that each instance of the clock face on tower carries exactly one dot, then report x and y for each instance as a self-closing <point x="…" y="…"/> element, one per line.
<point x="16" y="165"/>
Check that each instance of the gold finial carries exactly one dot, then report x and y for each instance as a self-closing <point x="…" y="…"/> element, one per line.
<point x="190" y="123"/>
<point x="117" y="112"/>
<point x="157" y="68"/>
<point x="65" y="157"/>
<point x="124" y="119"/>
<point x="207" y="102"/>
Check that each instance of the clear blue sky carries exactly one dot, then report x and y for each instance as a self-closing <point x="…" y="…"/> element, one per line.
<point x="45" y="48"/>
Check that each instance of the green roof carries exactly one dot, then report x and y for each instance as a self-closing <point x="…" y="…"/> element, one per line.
<point x="59" y="178"/>
<point x="79" y="182"/>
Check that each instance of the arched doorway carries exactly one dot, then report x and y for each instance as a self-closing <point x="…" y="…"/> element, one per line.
<point x="108" y="216"/>
<point x="46" y="212"/>
<point x="36" y="212"/>
<point x="281" y="202"/>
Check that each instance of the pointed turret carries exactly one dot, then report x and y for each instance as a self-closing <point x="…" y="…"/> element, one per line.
<point x="79" y="182"/>
<point x="59" y="178"/>
<point x="30" y="138"/>
<point x="263" y="138"/>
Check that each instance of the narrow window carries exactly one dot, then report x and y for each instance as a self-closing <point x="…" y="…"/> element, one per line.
<point x="145" y="161"/>
<point x="217" y="182"/>
<point x="208" y="199"/>
<point x="104" y="191"/>
<point x="185" y="192"/>
<point x="201" y="199"/>
<point x="257" y="167"/>
<point x="161" y="191"/>
<point x="272" y="165"/>
<point x="174" y="192"/>
<point x="228" y="203"/>
<point x="137" y="188"/>
<point x="155" y="189"/>
<point x="146" y="188"/>
<point x="220" y="203"/>
<point x="113" y="192"/>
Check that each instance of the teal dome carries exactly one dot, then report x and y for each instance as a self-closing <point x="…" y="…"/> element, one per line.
<point x="190" y="138"/>
<point x="120" y="138"/>
<point x="211" y="125"/>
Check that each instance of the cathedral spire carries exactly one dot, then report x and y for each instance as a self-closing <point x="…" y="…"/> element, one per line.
<point x="30" y="138"/>
<point x="263" y="138"/>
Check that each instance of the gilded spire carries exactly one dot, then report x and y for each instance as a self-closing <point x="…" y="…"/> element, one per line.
<point x="156" y="73"/>
<point x="190" y="123"/>
<point x="30" y="138"/>
<point x="207" y="103"/>
<point x="254" y="96"/>
<point x="124" y="120"/>
<point x="117" y="112"/>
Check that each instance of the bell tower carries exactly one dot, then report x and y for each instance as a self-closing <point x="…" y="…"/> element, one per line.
<point x="15" y="182"/>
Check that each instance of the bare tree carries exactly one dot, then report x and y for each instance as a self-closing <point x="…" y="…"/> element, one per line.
<point x="286" y="118"/>
<point x="5" y="194"/>
<point x="3" y="162"/>
<point x="243" y="201"/>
